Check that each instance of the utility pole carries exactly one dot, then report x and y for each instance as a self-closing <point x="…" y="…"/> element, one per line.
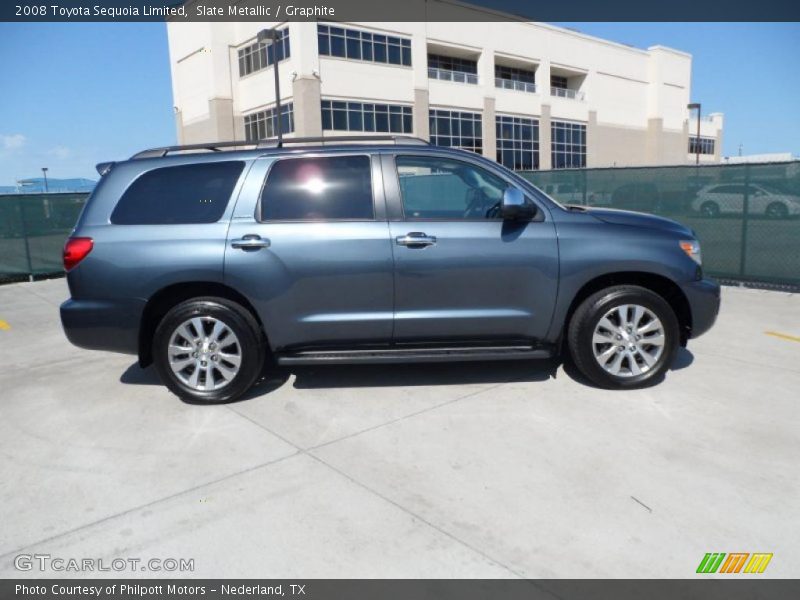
<point x="272" y="36"/>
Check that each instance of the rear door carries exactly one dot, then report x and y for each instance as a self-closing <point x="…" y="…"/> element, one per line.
<point x="462" y="273"/>
<point x="309" y="246"/>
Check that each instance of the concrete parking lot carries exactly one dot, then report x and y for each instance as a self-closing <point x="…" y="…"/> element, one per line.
<point x="460" y="470"/>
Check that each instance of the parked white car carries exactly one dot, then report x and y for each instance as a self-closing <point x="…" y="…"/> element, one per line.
<point x="728" y="198"/>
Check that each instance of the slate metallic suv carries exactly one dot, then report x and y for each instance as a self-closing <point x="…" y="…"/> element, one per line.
<point x="212" y="264"/>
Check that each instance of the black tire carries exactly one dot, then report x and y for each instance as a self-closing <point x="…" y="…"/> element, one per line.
<point x="586" y="318"/>
<point x="709" y="209"/>
<point x="777" y="210"/>
<point x="244" y="326"/>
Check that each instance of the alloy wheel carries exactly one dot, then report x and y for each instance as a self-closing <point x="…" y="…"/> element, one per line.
<point x="628" y="340"/>
<point x="204" y="353"/>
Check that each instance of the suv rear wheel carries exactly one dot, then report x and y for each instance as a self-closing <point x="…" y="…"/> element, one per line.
<point x="208" y="350"/>
<point x="623" y="337"/>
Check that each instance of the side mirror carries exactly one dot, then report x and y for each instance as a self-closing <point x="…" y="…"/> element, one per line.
<point x="515" y="207"/>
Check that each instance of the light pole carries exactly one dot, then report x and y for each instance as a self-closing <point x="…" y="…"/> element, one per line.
<point x="44" y="172"/>
<point x="272" y="36"/>
<point x="696" y="106"/>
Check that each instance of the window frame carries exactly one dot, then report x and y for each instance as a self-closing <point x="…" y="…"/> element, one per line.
<point x="249" y="52"/>
<point x="364" y="38"/>
<point x="399" y="205"/>
<point x="515" y="142"/>
<point x="435" y="113"/>
<point x="402" y="111"/>
<point x="559" y="147"/>
<point x="378" y="207"/>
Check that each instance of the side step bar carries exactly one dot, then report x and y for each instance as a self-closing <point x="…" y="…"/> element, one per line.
<point x="404" y="355"/>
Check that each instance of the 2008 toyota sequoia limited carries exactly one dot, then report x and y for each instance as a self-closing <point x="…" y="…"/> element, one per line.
<point x="210" y="263"/>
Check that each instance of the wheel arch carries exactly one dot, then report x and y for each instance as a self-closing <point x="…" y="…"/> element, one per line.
<point x="166" y="298"/>
<point x="663" y="286"/>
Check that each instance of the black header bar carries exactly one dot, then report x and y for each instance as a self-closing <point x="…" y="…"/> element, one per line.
<point x="403" y="10"/>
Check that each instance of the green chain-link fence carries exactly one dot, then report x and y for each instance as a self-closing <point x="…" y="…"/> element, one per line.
<point x="746" y="216"/>
<point x="33" y="228"/>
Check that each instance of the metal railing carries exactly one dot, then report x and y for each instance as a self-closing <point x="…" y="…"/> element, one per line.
<point x="457" y="76"/>
<point x="567" y="93"/>
<point x="515" y="84"/>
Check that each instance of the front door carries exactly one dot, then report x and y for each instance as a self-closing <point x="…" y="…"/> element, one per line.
<point x="462" y="273"/>
<point x="309" y="247"/>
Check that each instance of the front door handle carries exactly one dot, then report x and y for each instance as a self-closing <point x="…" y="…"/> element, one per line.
<point x="250" y="242"/>
<point x="415" y="239"/>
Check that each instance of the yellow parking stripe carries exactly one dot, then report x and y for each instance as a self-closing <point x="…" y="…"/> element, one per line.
<point x="783" y="336"/>
<point x="4" y="325"/>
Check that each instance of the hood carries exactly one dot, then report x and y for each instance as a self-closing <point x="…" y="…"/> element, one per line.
<point x="637" y="219"/>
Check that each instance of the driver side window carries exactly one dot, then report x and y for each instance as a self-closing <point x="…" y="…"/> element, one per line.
<point x="443" y="189"/>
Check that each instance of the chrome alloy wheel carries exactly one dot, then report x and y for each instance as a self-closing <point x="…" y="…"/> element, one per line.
<point x="204" y="353"/>
<point x="628" y="340"/>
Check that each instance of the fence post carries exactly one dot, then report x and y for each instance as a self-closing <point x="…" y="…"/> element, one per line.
<point x="25" y="238"/>
<point x="583" y="185"/>
<point x="745" y="213"/>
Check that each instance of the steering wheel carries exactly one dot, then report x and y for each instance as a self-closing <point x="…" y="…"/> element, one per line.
<point x="476" y="203"/>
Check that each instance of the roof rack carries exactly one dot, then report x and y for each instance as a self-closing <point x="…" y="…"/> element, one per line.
<point x="275" y="143"/>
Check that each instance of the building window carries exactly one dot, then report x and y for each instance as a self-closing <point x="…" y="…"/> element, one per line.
<point x="568" y="144"/>
<point x="557" y="81"/>
<point x="261" y="125"/>
<point x="706" y="145"/>
<point x="260" y="55"/>
<point x="450" y="68"/>
<point x="517" y="143"/>
<point x="339" y="115"/>
<point x="514" y="74"/>
<point x="456" y="129"/>
<point x="363" y="45"/>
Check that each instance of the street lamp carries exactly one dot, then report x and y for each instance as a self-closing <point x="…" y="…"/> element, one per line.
<point x="696" y="106"/>
<point x="44" y="172"/>
<point x="272" y="36"/>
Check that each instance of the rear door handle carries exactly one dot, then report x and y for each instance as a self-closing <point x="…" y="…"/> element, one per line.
<point x="415" y="239"/>
<point x="250" y="242"/>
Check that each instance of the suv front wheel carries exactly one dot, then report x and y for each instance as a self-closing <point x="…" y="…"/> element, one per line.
<point x="208" y="350"/>
<point x="623" y="337"/>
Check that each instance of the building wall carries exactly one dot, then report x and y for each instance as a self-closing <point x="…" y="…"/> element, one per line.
<point x="634" y="100"/>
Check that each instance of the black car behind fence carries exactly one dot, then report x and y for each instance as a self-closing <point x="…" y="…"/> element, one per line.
<point x="747" y="217"/>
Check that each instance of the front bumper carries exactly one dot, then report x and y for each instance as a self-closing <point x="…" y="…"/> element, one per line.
<point x="704" y="301"/>
<point x="111" y="325"/>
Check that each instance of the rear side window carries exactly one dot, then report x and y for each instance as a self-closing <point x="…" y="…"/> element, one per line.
<point x="174" y="195"/>
<point x="318" y="189"/>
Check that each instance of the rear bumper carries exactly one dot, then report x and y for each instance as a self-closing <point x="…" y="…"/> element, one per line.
<point x="111" y="325"/>
<point x="704" y="301"/>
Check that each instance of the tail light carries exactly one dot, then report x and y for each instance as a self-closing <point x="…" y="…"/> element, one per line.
<point x="75" y="250"/>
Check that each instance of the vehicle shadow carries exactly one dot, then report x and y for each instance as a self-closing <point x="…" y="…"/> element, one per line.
<point x="404" y="375"/>
<point x="683" y="359"/>
<point x="355" y="376"/>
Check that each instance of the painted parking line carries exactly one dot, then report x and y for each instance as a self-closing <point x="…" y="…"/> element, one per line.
<point x="783" y="336"/>
<point x="4" y="325"/>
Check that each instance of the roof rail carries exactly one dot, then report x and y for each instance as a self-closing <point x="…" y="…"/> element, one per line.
<point x="340" y="139"/>
<point x="275" y="143"/>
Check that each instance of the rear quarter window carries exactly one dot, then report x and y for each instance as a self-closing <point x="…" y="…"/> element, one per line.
<point x="182" y="194"/>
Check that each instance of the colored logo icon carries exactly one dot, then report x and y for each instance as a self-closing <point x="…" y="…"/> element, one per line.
<point x="736" y="562"/>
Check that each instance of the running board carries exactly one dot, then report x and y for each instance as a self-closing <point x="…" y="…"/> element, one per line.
<point x="405" y="355"/>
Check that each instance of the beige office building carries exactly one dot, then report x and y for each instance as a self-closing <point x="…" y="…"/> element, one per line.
<point x="531" y="95"/>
